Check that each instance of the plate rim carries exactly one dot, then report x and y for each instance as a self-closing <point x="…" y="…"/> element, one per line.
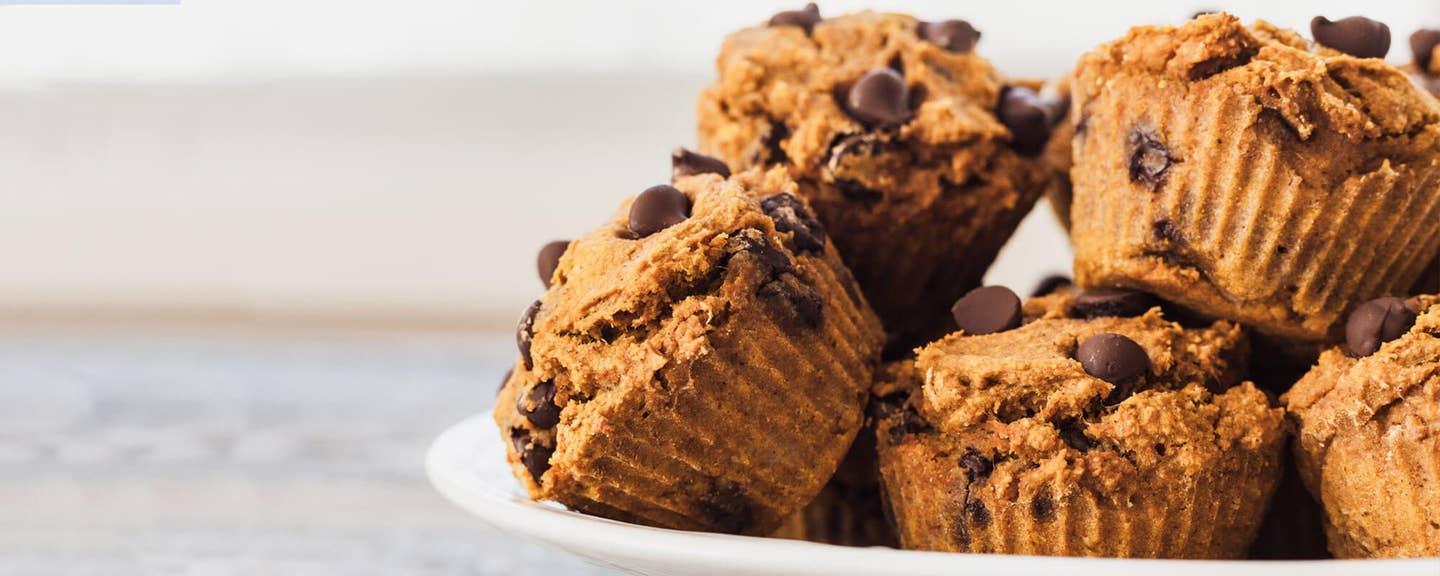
<point x="614" y="540"/>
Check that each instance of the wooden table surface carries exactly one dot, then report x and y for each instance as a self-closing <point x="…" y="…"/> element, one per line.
<point x="187" y="451"/>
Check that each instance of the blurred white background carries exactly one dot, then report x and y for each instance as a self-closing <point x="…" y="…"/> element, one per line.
<point x="381" y="162"/>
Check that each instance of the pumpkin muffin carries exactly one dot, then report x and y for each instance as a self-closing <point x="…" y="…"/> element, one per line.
<point x="917" y="155"/>
<point x="1252" y="175"/>
<point x="701" y="361"/>
<point x="1368" y="417"/>
<point x="1086" y="425"/>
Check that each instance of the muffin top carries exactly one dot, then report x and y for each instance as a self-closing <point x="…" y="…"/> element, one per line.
<point x="1313" y="90"/>
<point x="826" y="95"/>
<point x="1393" y="391"/>
<point x="1035" y="415"/>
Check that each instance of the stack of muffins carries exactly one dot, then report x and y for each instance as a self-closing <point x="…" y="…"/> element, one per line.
<point x="790" y="337"/>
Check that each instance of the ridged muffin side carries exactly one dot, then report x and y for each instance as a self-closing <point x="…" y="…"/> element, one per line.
<point x="707" y="376"/>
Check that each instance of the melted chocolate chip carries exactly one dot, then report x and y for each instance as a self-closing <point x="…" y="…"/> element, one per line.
<point x="1042" y="507"/>
<point x="1210" y="67"/>
<point x="987" y="310"/>
<point x="658" y="208"/>
<point x="957" y="36"/>
<point x="1111" y="304"/>
<point x="807" y="305"/>
<point x="976" y="465"/>
<point x="753" y="243"/>
<point x="879" y="99"/>
<point x="791" y="215"/>
<point x="1422" y="46"/>
<point x="1150" y="160"/>
<point x="1377" y="322"/>
<point x="1028" y="118"/>
<point x="525" y="332"/>
<point x="977" y="513"/>
<point x="805" y="18"/>
<point x="519" y="439"/>
<point x="1112" y="358"/>
<point x="549" y="259"/>
<point x="536" y="459"/>
<point x="1357" y="36"/>
<point x="1051" y="284"/>
<point x="538" y="406"/>
<point x="774" y="143"/>
<point x="684" y="162"/>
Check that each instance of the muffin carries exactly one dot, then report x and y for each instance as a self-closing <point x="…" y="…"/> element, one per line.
<point x="701" y="361"/>
<point x="1425" y="70"/>
<point x="849" y="510"/>
<point x="1368" y="417"/>
<point x="914" y="152"/>
<point x="1086" y="425"/>
<point x="1250" y="175"/>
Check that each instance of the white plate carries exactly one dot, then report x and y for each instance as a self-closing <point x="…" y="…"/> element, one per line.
<point x="467" y="465"/>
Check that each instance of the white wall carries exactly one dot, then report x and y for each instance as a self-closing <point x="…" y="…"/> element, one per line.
<point x="396" y="158"/>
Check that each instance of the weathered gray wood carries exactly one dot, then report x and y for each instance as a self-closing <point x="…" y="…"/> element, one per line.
<point x="178" y="452"/>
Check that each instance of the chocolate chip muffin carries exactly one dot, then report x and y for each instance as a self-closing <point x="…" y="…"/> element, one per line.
<point x="1425" y="70"/>
<point x="1086" y="425"/>
<point x="1249" y="174"/>
<point x="849" y="510"/>
<point x="1368" y="417"/>
<point x="701" y="361"/>
<point x="916" y="154"/>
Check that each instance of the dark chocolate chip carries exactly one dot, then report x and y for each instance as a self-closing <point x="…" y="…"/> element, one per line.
<point x="987" y="310"/>
<point x="520" y="439"/>
<point x="976" y="465"/>
<point x="1422" y="45"/>
<point x="504" y="381"/>
<point x="808" y="306"/>
<point x="1072" y="432"/>
<point x="752" y="242"/>
<point x="1051" y="284"/>
<point x="1212" y="66"/>
<point x="684" y="162"/>
<point x="1028" y="117"/>
<point x="536" y="459"/>
<point x="1112" y="358"/>
<point x="658" y="208"/>
<point x="1042" y="507"/>
<point x="549" y="259"/>
<point x="977" y="513"/>
<point x="1150" y="160"/>
<point x="1357" y="36"/>
<point x="525" y="332"/>
<point x="805" y="18"/>
<point x="774" y="143"/>
<point x="879" y="99"/>
<point x="727" y="508"/>
<point x="791" y="215"/>
<point x="538" y="406"/>
<point x="957" y="36"/>
<point x="1111" y="304"/>
<point x="1377" y="322"/>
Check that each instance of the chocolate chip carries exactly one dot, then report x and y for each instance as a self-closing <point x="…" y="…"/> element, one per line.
<point x="1357" y="36"/>
<point x="791" y="215"/>
<point x="977" y="513"/>
<point x="1028" y="117"/>
<point x="1042" y="507"/>
<point x="658" y="208"/>
<point x="987" y="310"/>
<point x="519" y="439"/>
<point x="976" y="465"/>
<point x="683" y="162"/>
<point x="1377" y="322"/>
<point x="525" y="332"/>
<point x="504" y="381"/>
<point x="879" y="99"/>
<point x="774" y="143"/>
<point x="807" y="306"/>
<point x="536" y="459"/>
<point x="1150" y="160"/>
<point x="538" y="406"/>
<point x="752" y="242"/>
<point x="1212" y="66"/>
<point x="957" y="36"/>
<point x="1112" y="358"/>
<point x="549" y="259"/>
<point x="1072" y="432"/>
<point x="1092" y="304"/>
<point x="1422" y="45"/>
<point x="805" y="18"/>
<point x="1051" y="284"/>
